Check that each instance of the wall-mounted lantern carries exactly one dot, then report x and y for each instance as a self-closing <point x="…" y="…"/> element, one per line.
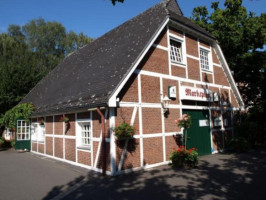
<point x="165" y="104"/>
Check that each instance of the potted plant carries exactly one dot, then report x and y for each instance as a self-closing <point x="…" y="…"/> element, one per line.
<point x="124" y="131"/>
<point x="182" y="157"/>
<point x="41" y="122"/>
<point x="184" y="122"/>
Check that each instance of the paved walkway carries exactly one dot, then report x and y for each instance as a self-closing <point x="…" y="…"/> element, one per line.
<point x="218" y="177"/>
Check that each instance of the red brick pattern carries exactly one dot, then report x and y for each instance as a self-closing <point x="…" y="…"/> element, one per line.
<point x="219" y="76"/>
<point x="125" y="114"/>
<point x="169" y="121"/>
<point x="192" y="45"/>
<point x="176" y="32"/>
<point x="132" y="158"/>
<point x="34" y="146"/>
<point x="49" y="125"/>
<point x="95" y="149"/>
<point x="41" y="148"/>
<point x="217" y="139"/>
<point x="153" y="150"/>
<point x="49" y="146"/>
<point x="225" y="95"/>
<point x="187" y="84"/>
<point x="151" y="120"/>
<point x="233" y="99"/>
<point x="84" y="158"/>
<point x="166" y="84"/>
<point x="96" y="124"/>
<point x="70" y="127"/>
<point x="58" y="147"/>
<point x="150" y="89"/>
<point x="70" y="149"/>
<point x="214" y="57"/>
<point x="162" y="39"/>
<point x="156" y="61"/>
<point x="206" y="77"/>
<point x="171" y="142"/>
<point x="178" y="71"/>
<point x="58" y="126"/>
<point x="204" y="44"/>
<point x="130" y="92"/>
<point x="193" y="69"/>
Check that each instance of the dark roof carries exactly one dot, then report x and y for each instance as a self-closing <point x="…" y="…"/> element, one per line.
<point x="87" y="77"/>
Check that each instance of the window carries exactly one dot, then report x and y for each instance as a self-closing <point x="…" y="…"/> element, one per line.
<point x="23" y="130"/>
<point x="84" y="134"/>
<point x="37" y="132"/>
<point x="204" y="59"/>
<point x="176" y="51"/>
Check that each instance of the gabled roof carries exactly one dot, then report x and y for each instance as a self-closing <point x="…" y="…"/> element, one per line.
<point x="88" y="77"/>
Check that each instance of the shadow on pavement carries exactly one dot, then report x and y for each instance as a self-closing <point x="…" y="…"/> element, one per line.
<point x="220" y="176"/>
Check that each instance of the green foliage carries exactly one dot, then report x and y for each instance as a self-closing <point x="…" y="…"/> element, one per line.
<point x="241" y="35"/>
<point x="12" y="143"/>
<point x="21" y="111"/>
<point x="2" y="141"/>
<point x="124" y="131"/>
<point x="181" y="157"/>
<point x="28" y="53"/>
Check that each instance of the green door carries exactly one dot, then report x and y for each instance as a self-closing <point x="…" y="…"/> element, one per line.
<point x="199" y="132"/>
<point x="22" y="135"/>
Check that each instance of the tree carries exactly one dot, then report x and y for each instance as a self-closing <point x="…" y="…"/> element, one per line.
<point x="241" y="35"/>
<point x="28" y="53"/>
<point x="114" y="1"/>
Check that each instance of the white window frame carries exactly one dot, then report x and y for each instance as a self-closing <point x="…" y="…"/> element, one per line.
<point x="182" y="50"/>
<point x="23" y="130"/>
<point x="38" y="134"/>
<point x="203" y="68"/>
<point x="80" y="137"/>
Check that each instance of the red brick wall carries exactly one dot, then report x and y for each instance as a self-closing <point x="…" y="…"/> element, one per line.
<point x="58" y="126"/>
<point x="214" y="57"/>
<point x="187" y="84"/>
<point x="219" y="76"/>
<point x="70" y="127"/>
<point x="205" y="44"/>
<point x="41" y="148"/>
<point x="156" y="61"/>
<point x="217" y="139"/>
<point x="34" y="146"/>
<point x="206" y="77"/>
<point x="176" y="32"/>
<point x="192" y="45"/>
<point x="166" y="84"/>
<point x="95" y="149"/>
<point x="170" y="125"/>
<point x="125" y="114"/>
<point x="49" y="145"/>
<point x="84" y="158"/>
<point x="49" y="125"/>
<point x="151" y="120"/>
<point x="96" y="124"/>
<point x="132" y="158"/>
<point x="70" y="149"/>
<point x="58" y="147"/>
<point x="233" y="100"/>
<point x="150" y="89"/>
<point x="162" y="39"/>
<point x="193" y="69"/>
<point x="130" y="91"/>
<point x="178" y="71"/>
<point x="171" y="142"/>
<point x="225" y="95"/>
<point x="153" y="150"/>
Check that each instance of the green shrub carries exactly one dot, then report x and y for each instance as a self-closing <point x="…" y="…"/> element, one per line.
<point x="181" y="157"/>
<point x="239" y="144"/>
<point x="2" y="141"/>
<point x="12" y="143"/>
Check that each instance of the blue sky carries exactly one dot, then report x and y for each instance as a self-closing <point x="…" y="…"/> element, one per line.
<point x="92" y="17"/>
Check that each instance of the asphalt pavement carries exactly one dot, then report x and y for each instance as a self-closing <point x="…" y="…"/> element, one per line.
<point x="26" y="176"/>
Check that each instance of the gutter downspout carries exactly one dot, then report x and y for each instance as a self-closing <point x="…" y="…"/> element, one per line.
<point x="103" y="142"/>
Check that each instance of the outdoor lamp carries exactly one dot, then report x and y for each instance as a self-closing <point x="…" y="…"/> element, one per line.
<point x="165" y="103"/>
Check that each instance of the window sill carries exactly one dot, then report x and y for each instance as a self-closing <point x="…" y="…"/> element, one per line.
<point x="178" y="64"/>
<point x="88" y="148"/>
<point x="206" y="70"/>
